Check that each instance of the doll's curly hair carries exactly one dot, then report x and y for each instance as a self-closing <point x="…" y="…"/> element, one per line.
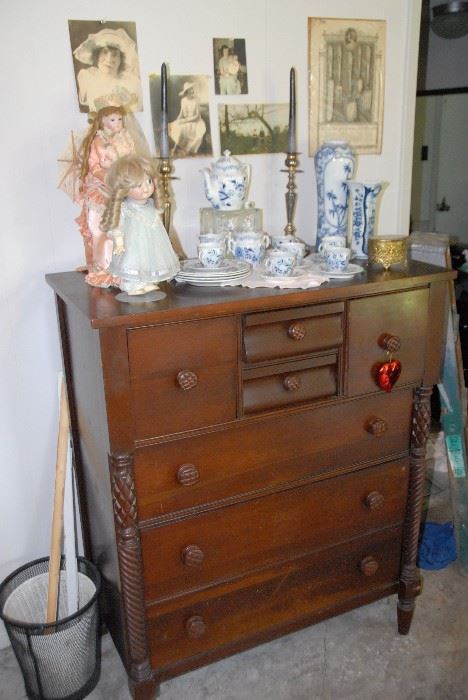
<point x="95" y="120"/>
<point x="124" y="174"/>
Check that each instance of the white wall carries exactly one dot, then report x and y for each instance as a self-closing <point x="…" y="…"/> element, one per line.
<point x="38" y="232"/>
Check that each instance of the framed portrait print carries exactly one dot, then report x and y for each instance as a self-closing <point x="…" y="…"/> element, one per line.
<point x="106" y="65"/>
<point x="346" y="83"/>
<point x="230" y="66"/>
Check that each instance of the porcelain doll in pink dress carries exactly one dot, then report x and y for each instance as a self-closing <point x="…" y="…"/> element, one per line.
<point x="106" y="141"/>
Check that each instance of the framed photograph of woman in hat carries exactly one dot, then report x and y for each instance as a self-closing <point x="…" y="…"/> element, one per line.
<point x="105" y="60"/>
<point x="188" y="114"/>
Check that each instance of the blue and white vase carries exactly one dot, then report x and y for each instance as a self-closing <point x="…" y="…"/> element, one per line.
<point x="334" y="164"/>
<point x="363" y="198"/>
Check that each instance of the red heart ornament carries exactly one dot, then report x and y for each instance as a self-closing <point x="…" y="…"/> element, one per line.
<point x="388" y="374"/>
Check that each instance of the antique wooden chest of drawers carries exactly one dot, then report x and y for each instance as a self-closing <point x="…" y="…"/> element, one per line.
<point x="241" y="473"/>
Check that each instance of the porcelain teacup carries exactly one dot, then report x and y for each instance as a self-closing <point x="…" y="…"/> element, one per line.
<point x="249" y="246"/>
<point x="295" y="246"/>
<point x="337" y="240"/>
<point x="280" y="263"/>
<point x="337" y="258"/>
<point x="211" y="254"/>
<point x="213" y="238"/>
<point x="279" y="241"/>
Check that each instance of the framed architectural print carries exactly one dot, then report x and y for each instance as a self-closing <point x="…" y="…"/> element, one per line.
<point x="346" y="83"/>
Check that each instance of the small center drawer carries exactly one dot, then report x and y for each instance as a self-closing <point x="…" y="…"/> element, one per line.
<point x="287" y="333"/>
<point x="266" y="388"/>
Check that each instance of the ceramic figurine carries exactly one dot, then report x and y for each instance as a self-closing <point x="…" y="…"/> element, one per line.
<point x="142" y="253"/>
<point x="334" y="164"/>
<point x="227" y="183"/>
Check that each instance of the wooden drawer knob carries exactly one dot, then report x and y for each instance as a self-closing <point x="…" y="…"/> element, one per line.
<point x="376" y="426"/>
<point x="297" y="331"/>
<point x="187" y="475"/>
<point x="195" y="626"/>
<point x="368" y="566"/>
<point x="390" y="342"/>
<point x="187" y="379"/>
<point x="375" y="500"/>
<point x="192" y="555"/>
<point x="291" y="383"/>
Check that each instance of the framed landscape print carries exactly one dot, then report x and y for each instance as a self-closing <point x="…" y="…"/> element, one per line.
<point x="253" y="128"/>
<point x="346" y="83"/>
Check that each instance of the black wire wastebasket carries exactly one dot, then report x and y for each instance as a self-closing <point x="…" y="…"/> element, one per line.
<point x="60" y="660"/>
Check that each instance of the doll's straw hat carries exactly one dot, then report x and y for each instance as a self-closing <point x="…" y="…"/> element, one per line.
<point x="115" y="38"/>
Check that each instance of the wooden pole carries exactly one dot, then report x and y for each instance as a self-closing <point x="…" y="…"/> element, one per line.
<point x="57" y="519"/>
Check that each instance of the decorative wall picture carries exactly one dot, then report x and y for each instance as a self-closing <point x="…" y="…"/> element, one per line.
<point x="105" y="61"/>
<point x="188" y="114"/>
<point x="253" y="128"/>
<point x="346" y="83"/>
<point x="230" y="67"/>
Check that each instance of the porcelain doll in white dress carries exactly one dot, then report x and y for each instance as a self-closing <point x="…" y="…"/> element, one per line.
<point x="142" y="252"/>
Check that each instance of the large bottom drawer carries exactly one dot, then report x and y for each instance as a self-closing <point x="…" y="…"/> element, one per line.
<point x="268" y="605"/>
<point x="228" y="543"/>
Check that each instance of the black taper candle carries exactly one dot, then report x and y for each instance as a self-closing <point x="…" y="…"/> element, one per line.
<point x="292" y="146"/>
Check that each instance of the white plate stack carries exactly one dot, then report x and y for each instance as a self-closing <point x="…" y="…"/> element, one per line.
<point x="193" y="272"/>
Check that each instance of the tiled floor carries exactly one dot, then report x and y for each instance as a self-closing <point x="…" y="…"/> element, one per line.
<point x="356" y="656"/>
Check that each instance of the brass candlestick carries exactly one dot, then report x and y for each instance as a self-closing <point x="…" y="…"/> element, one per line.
<point x="291" y="164"/>
<point x="165" y="170"/>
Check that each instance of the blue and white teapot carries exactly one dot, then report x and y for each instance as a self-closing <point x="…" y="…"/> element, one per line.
<point x="227" y="183"/>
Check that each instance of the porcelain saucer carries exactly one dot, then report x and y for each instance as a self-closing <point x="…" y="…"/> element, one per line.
<point x="350" y="271"/>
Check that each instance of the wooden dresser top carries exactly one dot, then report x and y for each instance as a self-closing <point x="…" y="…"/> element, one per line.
<point x="184" y="301"/>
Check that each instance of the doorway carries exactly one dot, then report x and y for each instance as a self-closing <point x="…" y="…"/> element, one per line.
<point x="439" y="201"/>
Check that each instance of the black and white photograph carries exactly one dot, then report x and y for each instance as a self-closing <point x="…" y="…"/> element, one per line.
<point x="253" y="128"/>
<point x="105" y="61"/>
<point x="188" y="114"/>
<point x="230" y="66"/>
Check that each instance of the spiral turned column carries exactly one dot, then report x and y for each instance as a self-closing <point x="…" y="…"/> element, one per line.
<point x="131" y="575"/>
<point x="410" y="579"/>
